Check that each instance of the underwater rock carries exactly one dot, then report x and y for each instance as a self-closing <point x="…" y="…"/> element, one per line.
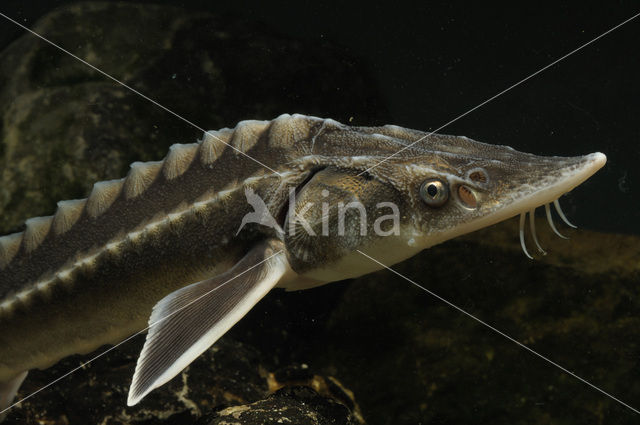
<point x="229" y="379"/>
<point x="292" y="405"/>
<point x="298" y="396"/>
<point x="64" y="126"/>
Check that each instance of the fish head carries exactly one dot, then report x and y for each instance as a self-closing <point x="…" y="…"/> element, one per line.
<point x="455" y="185"/>
<point x="442" y="187"/>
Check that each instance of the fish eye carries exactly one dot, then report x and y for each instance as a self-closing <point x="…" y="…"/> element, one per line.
<point x="434" y="192"/>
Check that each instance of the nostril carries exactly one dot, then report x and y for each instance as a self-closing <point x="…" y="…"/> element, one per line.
<point x="467" y="196"/>
<point x="479" y="176"/>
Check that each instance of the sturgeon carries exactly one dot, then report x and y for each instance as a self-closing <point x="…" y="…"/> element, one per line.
<point x="188" y="245"/>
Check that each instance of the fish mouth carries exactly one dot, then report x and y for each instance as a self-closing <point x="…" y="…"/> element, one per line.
<point x="562" y="181"/>
<point x="569" y="178"/>
<point x="564" y="174"/>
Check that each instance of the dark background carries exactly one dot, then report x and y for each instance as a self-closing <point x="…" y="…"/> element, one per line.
<point x="431" y="63"/>
<point x="436" y="60"/>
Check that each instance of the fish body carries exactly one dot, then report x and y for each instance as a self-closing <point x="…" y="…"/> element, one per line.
<point x="180" y="245"/>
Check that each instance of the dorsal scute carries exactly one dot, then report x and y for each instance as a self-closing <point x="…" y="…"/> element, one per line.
<point x="9" y="246"/>
<point x="287" y="130"/>
<point x="37" y="229"/>
<point x="67" y="215"/>
<point x="179" y="159"/>
<point x="333" y="124"/>
<point x="213" y="144"/>
<point x="400" y="132"/>
<point x="247" y="133"/>
<point x="140" y="177"/>
<point x="102" y="196"/>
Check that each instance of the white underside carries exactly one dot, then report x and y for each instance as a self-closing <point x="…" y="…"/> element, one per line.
<point x="390" y="249"/>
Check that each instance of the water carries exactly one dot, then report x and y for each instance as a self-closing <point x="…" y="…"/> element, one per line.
<point x="408" y="357"/>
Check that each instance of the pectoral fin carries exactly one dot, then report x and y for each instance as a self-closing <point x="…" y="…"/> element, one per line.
<point x="188" y="321"/>
<point x="8" y="391"/>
